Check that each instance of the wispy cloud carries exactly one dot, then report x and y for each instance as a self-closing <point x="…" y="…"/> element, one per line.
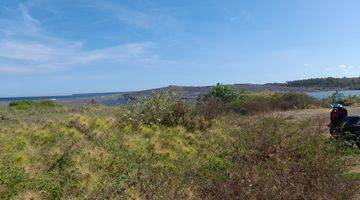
<point x="344" y="70"/>
<point x="21" y="22"/>
<point x="125" y="15"/>
<point x="14" y="69"/>
<point x="349" y="69"/>
<point x="157" y="20"/>
<point x="27" y="48"/>
<point x="43" y="57"/>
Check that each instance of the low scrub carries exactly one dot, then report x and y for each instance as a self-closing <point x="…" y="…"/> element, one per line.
<point x="228" y="99"/>
<point x="164" y="148"/>
<point x="164" y="109"/>
<point x="27" y="104"/>
<point x="340" y="97"/>
<point x="94" y="154"/>
<point x="267" y="102"/>
<point x="3" y="116"/>
<point x="274" y="159"/>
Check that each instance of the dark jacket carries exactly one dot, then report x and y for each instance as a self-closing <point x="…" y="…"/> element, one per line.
<point x="337" y="115"/>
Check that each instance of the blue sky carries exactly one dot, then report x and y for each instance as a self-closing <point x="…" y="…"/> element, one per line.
<point x="54" y="47"/>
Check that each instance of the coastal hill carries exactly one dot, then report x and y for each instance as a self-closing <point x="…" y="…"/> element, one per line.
<point x="193" y="92"/>
<point x="308" y="85"/>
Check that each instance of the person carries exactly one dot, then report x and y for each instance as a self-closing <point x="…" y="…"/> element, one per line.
<point x="337" y="115"/>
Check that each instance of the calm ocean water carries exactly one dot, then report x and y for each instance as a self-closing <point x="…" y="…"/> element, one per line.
<point x="326" y="94"/>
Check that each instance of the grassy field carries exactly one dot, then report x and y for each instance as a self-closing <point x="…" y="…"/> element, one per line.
<point x="162" y="150"/>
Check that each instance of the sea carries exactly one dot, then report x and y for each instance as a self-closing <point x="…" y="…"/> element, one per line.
<point x="326" y="94"/>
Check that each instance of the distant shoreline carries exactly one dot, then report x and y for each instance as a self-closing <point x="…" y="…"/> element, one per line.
<point x="185" y="92"/>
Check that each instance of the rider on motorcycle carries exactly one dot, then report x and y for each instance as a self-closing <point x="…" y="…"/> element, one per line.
<point x="337" y="115"/>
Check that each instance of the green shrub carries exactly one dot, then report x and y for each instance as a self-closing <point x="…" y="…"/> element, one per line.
<point x="164" y="109"/>
<point x="351" y="99"/>
<point x="296" y="101"/>
<point x="267" y="102"/>
<point x="22" y="105"/>
<point x="274" y="159"/>
<point x="226" y="99"/>
<point x="27" y="104"/>
<point x="212" y="108"/>
<point x="224" y="93"/>
<point x="336" y="97"/>
<point x="47" y="103"/>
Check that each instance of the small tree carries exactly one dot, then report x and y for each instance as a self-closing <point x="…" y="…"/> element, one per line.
<point x="336" y="97"/>
<point x="225" y="93"/>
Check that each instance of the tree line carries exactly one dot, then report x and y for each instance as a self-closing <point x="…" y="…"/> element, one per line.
<point x="327" y="83"/>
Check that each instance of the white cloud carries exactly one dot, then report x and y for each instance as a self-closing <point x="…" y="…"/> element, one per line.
<point x="347" y="68"/>
<point x="14" y="69"/>
<point x="344" y="70"/>
<point x="42" y="56"/>
<point x="124" y="15"/>
<point x="29" y="49"/>
<point x="26" y="51"/>
<point x="29" y="21"/>
<point x="20" y="24"/>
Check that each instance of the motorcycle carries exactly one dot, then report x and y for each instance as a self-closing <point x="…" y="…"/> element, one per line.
<point x="349" y="130"/>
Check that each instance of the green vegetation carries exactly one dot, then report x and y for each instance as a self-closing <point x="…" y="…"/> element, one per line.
<point x="266" y="102"/>
<point x="163" y="109"/>
<point x="224" y="93"/>
<point x="327" y="83"/>
<point x="249" y="103"/>
<point x="163" y="148"/>
<point x="337" y="97"/>
<point x="27" y="104"/>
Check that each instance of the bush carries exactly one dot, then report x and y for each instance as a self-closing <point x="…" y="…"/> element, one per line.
<point x="273" y="159"/>
<point x="226" y="99"/>
<point x="224" y="93"/>
<point x="27" y="104"/>
<point x="164" y="109"/>
<point x="267" y="102"/>
<point x="351" y="99"/>
<point x="336" y="97"/>
<point x="21" y="105"/>
<point x="296" y="101"/>
<point x="212" y="108"/>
